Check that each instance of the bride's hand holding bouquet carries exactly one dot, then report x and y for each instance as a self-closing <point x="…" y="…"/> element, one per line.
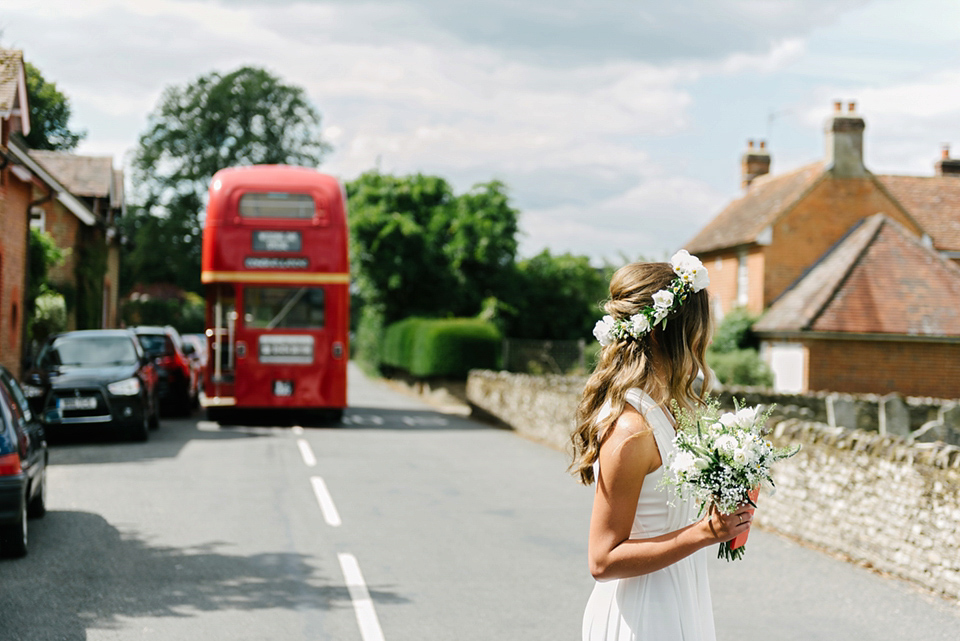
<point x="721" y="461"/>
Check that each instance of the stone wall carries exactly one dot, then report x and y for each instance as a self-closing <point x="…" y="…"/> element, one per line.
<point x="888" y="501"/>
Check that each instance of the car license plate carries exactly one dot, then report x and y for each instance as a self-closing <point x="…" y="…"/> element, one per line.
<point x="283" y="388"/>
<point x="78" y="403"/>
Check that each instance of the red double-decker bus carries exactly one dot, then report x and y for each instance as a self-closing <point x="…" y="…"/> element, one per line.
<point x="276" y="275"/>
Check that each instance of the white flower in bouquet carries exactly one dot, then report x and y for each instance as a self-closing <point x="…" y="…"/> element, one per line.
<point x="720" y="458"/>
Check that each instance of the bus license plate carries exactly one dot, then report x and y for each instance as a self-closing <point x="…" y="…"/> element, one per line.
<point x="283" y="388"/>
<point x="81" y="403"/>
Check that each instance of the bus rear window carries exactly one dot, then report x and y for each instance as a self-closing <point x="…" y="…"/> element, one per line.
<point x="283" y="307"/>
<point x="276" y="204"/>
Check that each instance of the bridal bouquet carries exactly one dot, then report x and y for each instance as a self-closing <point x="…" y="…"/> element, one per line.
<point x="722" y="459"/>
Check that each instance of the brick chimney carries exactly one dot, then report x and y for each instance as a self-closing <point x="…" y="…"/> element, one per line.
<point x="947" y="166"/>
<point x="844" y="137"/>
<point x="755" y="162"/>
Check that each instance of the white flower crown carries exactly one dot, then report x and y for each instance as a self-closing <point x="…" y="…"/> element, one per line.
<point x="691" y="276"/>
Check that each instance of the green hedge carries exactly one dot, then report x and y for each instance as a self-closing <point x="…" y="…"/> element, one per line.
<point x="398" y="339"/>
<point x="441" y="347"/>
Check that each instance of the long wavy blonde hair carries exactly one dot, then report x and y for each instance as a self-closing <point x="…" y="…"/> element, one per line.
<point x="664" y="363"/>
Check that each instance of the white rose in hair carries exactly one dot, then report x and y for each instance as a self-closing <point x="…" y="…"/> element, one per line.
<point x="663" y="299"/>
<point x="603" y="330"/>
<point x="639" y="325"/>
<point x="690" y="270"/>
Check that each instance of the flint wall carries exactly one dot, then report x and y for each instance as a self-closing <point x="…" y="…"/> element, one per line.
<point x="890" y="501"/>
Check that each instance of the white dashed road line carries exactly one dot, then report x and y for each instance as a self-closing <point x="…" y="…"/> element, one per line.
<point x="306" y="452"/>
<point x="330" y="514"/>
<point x="362" y="603"/>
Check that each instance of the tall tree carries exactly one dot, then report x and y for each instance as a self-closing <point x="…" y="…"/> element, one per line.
<point x="49" y="115"/>
<point x="246" y="117"/>
<point x="420" y="250"/>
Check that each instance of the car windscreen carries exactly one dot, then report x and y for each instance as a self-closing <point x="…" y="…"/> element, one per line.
<point x="89" y="351"/>
<point x="156" y="344"/>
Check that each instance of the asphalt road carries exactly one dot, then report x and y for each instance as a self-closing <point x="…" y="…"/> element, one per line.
<point x="404" y="524"/>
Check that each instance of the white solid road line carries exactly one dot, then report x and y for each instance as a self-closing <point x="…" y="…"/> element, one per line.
<point x="329" y="510"/>
<point x="362" y="603"/>
<point x="306" y="452"/>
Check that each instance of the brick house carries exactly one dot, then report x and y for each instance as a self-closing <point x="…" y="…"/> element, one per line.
<point x="878" y="313"/>
<point x="16" y="189"/>
<point x="28" y="191"/>
<point x="762" y="247"/>
<point x="91" y="237"/>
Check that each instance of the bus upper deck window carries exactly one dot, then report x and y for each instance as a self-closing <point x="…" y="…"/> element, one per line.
<point x="276" y="204"/>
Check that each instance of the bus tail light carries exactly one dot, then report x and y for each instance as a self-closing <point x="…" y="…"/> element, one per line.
<point x="10" y="464"/>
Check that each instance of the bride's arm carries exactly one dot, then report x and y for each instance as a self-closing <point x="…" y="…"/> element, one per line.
<point x="626" y="457"/>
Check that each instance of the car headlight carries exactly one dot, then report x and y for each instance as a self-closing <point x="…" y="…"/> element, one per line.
<point x="126" y="387"/>
<point x="32" y="391"/>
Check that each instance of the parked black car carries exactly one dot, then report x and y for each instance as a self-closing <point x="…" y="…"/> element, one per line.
<point x="23" y="467"/>
<point x="94" y="377"/>
<point x="178" y="374"/>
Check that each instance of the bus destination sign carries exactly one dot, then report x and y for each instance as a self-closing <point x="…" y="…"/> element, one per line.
<point x="267" y="262"/>
<point x="276" y="241"/>
<point x="286" y="349"/>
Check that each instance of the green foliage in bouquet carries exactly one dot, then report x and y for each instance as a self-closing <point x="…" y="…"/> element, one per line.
<point x="720" y="457"/>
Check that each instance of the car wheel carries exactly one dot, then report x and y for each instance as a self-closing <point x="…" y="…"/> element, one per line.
<point x="141" y="431"/>
<point x="13" y="537"/>
<point x="155" y="416"/>
<point x="38" y="504"/>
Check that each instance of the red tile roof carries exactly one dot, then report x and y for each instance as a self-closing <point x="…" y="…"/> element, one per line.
<point x="877" y="280"/>
<point x="934" y="201"/>
<point x="744" y="219"/>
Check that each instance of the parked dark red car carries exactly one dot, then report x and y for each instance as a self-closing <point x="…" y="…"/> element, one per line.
<point x="178" y="385"/>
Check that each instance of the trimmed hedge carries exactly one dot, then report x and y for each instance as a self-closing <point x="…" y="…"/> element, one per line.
<point x="448" y="347"/>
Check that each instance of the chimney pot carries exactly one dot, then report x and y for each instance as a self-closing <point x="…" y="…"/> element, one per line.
<point x="851" y="106"/>
<point x="837" y="105"/>
<point x="947" y="166"/>
<point x="754" y="163"/>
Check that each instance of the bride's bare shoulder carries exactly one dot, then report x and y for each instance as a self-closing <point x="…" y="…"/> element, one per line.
<point x="630" y="440"/>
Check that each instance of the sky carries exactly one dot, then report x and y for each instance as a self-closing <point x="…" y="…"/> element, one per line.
<point x="617" y="125"/>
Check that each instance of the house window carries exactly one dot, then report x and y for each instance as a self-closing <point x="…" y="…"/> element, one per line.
<point x="743" y="278"/>
<point x="38" y="219"/>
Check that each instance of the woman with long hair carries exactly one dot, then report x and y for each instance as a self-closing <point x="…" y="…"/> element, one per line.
<point x="647" y="546"/>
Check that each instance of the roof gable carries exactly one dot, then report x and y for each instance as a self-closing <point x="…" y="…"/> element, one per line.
<point x="13" y="87"/>
<point x="877" y="280"/>
<point x="83" y="175"/>
<point x="934" y="202"/>
<point x="744" y="219"/>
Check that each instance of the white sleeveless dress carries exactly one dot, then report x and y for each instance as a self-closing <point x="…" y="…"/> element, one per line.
<point x="672" y="604"/>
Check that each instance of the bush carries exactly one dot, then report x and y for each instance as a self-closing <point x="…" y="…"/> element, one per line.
<point x="366" y="345"/>
<point x="398" y="340"/>
<point x="735" y="332"/>
<point x="740" y="367"/>
<point x="49" y="316"/>
<point x="441" y="347"/>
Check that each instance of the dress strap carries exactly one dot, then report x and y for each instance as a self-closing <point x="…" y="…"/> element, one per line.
<point x="656" y="416"/>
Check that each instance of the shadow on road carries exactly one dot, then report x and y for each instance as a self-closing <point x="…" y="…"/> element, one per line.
<point x="83" y="573"/>
<point x="100" y="445"/>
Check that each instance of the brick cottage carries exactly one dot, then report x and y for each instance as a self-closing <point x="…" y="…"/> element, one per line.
<point x="857" y="273"/>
